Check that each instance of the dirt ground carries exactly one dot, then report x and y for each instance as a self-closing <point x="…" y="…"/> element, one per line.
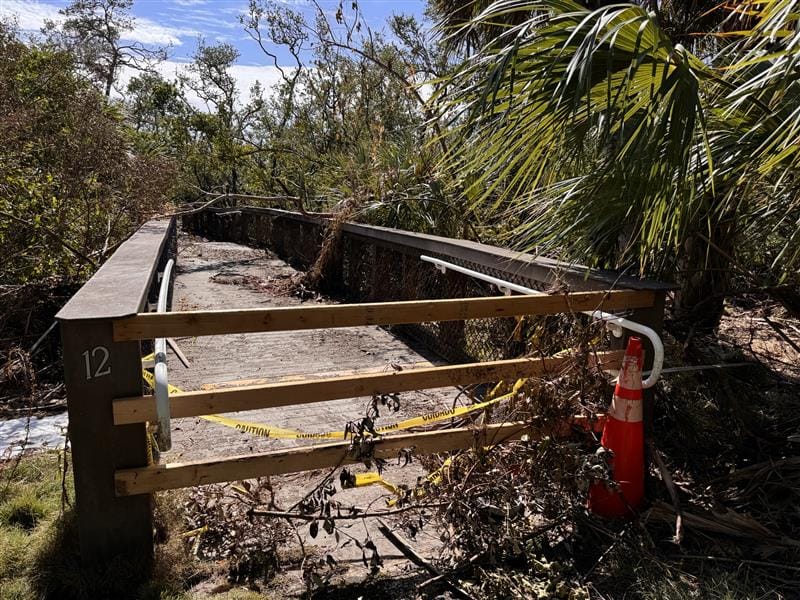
<point x="217" y="275"/>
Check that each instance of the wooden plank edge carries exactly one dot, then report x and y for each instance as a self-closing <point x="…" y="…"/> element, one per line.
<point x="290" y="318"/>
<point x="153" y="478"/>
<point x="139" y="409"/>
<point x="234" y="383"/>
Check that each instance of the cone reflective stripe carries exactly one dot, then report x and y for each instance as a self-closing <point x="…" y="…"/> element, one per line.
<point x="623" y="434"/>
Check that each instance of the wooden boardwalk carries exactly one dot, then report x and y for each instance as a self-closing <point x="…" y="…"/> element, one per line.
<point x="219" y="275"/>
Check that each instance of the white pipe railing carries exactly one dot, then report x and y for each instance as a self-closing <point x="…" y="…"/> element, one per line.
<point x="161" y="389"/>
<point x="615" y="323"/>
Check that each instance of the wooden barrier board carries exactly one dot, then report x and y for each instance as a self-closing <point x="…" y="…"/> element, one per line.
<point x="145" y="480"/>
<point x="139" y="409"/>
<point x="146" y="326"/>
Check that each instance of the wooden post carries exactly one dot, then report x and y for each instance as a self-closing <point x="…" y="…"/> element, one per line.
<point x="97" y="370"/>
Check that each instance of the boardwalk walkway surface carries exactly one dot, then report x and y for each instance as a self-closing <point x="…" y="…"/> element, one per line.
<point x="218" y="275"/>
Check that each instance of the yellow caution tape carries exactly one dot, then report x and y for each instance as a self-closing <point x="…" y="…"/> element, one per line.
<point x="365" y="479"/>
<point x="194" y="532"/>
<point x="435" y="477"/>
<point x="267" y="431"/>
<point x="372" y="478"/>
<point x="361" y="479"/>
<point x="270" y="431"/>
<point x="280" y="433"/>
<point x="241" y="490"/>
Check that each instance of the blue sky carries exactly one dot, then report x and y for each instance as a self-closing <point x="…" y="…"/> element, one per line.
<point x="180" y="22"/>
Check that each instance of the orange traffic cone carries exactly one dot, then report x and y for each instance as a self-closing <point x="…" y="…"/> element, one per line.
<point x="623" y="434"/>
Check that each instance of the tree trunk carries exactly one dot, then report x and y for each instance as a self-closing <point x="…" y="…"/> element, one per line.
<point x="111" y="75"/>
<point x="704" y="276"/>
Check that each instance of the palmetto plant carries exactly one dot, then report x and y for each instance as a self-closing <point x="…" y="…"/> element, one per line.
<point x="595" y="135"/>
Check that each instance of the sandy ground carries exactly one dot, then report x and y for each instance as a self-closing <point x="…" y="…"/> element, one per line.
<point x="216" y="275"/>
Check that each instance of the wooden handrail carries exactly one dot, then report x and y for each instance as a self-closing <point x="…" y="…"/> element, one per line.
<point x="218" y="322"/>
<point x="145" y="480"/>
<point x="139" y="409"/>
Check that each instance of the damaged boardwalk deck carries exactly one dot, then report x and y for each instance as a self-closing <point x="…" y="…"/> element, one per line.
<point x="215" y="275"/>
<point x="251" y="346"/>
<point x="219" y="275"/>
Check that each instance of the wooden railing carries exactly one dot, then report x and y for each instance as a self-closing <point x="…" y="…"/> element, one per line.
<point x="142" y="408"/>
<point x="104" y="324"/>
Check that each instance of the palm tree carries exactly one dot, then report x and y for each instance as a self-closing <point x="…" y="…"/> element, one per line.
<point x="680" y="19"/>
<point x="595" y="135"/>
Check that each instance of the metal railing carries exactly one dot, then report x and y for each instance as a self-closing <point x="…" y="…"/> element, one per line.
<point x="613" y="321"/>
<point x="161" y="387"/>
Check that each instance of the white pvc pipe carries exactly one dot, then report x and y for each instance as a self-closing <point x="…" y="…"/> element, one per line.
<point x="615" y="322"/>
<point x="161" y="389"/>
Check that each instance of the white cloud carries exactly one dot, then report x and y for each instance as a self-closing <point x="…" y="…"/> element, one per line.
<point x="31" y="15"/>
<point x="151" y="33"/>
<point x="245" y="76"/>
<point x="209" y="21"/>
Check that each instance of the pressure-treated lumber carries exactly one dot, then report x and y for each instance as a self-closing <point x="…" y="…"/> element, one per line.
<point x="204" y="402"/>
<point x="195" y="323"/>
<point x="221" y="385"/>
<point x="145" y="480"/>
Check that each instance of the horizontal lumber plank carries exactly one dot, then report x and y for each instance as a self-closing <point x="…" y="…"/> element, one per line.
<point x="305" y="376"/>
<point x="139" y="409"/>
<point x="146" y="480"/>
<point x="147" y="326"/>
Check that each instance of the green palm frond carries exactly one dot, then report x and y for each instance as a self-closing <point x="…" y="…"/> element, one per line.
<point x="599" y="138"/>
<point x="602" y="93"/>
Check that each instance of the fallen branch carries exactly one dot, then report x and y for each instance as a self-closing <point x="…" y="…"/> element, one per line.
<point x="673" y="493"/>
<point x="415" y="558"/>
<point x="42" y="337"/>
<point x="731" y="523"/>
<point x="783" y="335"/>
<point x="278" y="514"/>
<point x="443" y="577"/>
<point x="296" y="200"/>
<point x="759" y="469"/>
<point x="181" y="356"/>
<point x="193" y="210"/>
<point x="745" y="561"/>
